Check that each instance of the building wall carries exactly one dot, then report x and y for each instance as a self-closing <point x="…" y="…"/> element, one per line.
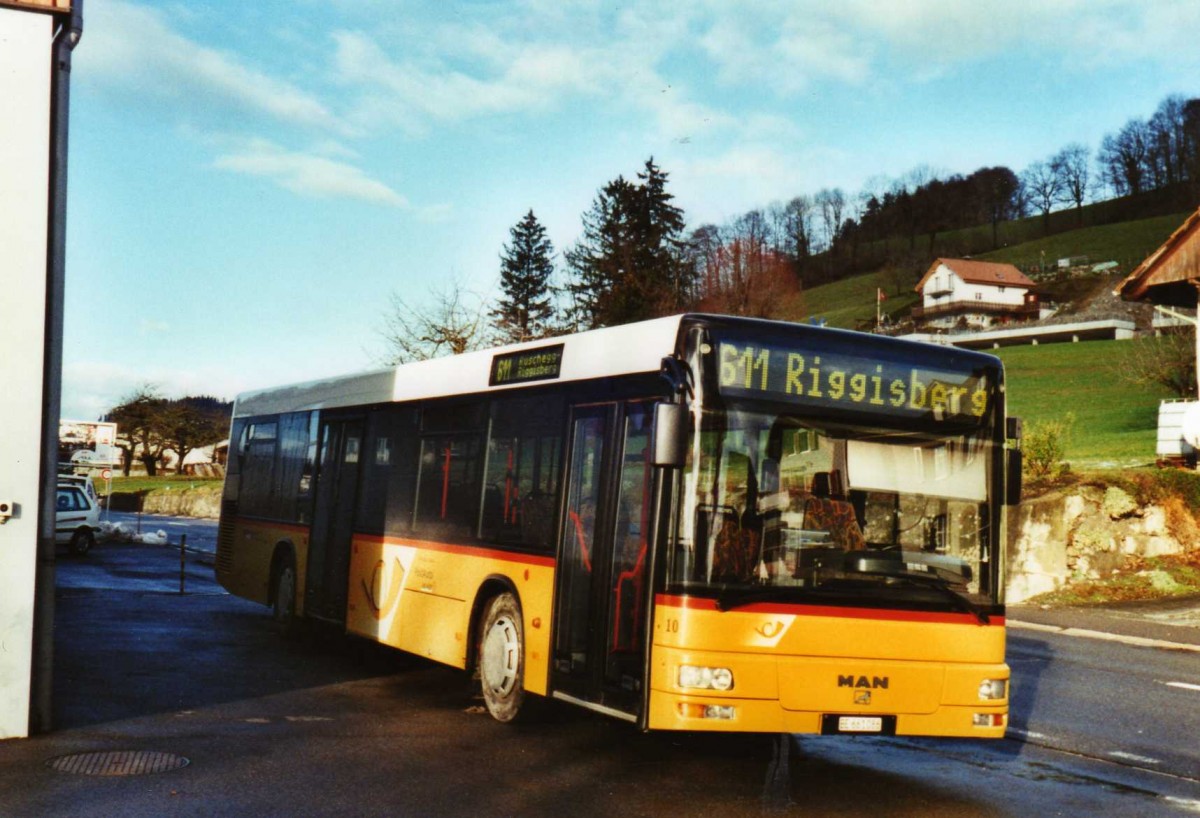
<point x="966" y="291"/>
<point x="25" y="76"/>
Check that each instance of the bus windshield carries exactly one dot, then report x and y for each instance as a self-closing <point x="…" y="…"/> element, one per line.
<point x="781" y="506"/>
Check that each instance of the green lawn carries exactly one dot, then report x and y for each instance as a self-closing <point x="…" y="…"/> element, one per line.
<point x="1127" y="243"/>
<point x="134" y="485"/>
<point x="1116" y="421"/>
<point x="847" y="302"/>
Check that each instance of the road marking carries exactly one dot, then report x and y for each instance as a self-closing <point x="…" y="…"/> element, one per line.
<point x="1137" y="641"/>
<point x="1132" y="757"/>
<point x="1182" y="685"/>
<point x="1186" y="803"/>
<point x="1028" y="733"/>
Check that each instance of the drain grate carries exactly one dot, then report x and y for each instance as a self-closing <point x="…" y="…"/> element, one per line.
<point x="118" y="762"/>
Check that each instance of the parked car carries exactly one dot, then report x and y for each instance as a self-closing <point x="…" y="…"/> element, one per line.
<point x="77" y="518"/>
<point x="84" y="481"/>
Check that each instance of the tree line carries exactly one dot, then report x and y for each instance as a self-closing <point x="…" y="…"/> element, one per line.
<point x="149" y="425"/>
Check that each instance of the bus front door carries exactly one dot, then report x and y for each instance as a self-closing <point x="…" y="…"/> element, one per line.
<point x="333" y="519"/>
<point x="602" y="596"/>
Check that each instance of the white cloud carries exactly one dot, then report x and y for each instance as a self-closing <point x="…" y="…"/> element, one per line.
<point x="788" y="47"/>
<point x="134" y="48"/>
<point x="92" y="388"/>
<point x="309" y="174"/>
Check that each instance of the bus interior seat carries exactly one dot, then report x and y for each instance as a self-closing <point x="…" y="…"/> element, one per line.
<point x="827" y="509"/>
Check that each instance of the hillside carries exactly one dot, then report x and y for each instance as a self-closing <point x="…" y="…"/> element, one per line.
<point x="1115" y="420"/>
<point x="850" y="303"/>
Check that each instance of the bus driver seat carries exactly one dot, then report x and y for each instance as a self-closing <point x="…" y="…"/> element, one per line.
<point x="827" y="509"/>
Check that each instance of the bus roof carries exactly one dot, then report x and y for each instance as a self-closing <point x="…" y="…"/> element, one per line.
<point x="601" y="353"/>
<point x="607" y="352"/>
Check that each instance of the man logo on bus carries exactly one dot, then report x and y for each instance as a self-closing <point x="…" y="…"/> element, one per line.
<point x="875" y="682"/>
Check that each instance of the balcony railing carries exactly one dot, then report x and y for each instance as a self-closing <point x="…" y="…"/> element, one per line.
<point x="1028" y="310"/>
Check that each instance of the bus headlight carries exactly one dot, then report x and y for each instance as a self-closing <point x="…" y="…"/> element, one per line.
<point x="993" y="689"/>
<point x="698" y="677"/>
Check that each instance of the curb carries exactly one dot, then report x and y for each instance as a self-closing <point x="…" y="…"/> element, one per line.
<point x="1137" y="641"/>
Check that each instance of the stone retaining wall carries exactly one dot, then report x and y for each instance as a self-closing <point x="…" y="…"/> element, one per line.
<point x="195" y="502"/>
<point x="1087" y="533"/>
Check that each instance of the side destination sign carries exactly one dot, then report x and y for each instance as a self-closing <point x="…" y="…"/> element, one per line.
<point x="826" y="379"/>
<point x="541" y="364"/>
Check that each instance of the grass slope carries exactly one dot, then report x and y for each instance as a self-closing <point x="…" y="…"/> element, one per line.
<point x="851" y="301"/>
<point x="1116" y="420"/>
<point x="1127" y="243"/>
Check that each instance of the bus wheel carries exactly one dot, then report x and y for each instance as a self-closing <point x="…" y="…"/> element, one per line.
<point x="82" y="542"/>
<point x="283" y="602"/>
<point x="502" y="657"/>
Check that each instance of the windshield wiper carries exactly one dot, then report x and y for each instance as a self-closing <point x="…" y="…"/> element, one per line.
<point x="730" y="598"/>
<point x="937" y="584"/>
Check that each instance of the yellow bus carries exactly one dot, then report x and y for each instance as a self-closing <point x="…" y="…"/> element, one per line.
<point x="691" y="523"/>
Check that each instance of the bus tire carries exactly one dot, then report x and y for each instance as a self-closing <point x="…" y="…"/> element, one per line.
<point x="502" y="657"/>
<point x="283" y="598"/>
<point x="81" y="542"/>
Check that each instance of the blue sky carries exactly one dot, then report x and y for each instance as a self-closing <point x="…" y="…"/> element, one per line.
<point x="250" y="183"/>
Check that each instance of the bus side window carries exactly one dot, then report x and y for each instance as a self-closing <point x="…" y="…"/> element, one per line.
<point x="297" y="434"/>
<point x="258" y="496"/>
<point x="520" y="486"/>
<point x="389" y="480"/>
<point x="448" y="493"/>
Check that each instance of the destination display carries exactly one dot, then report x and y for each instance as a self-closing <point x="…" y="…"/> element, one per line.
<point x="543" y="363"/>
<point x="824" y="379"/>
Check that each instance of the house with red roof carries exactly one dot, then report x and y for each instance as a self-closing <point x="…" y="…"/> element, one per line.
<point x="956" y="291"/>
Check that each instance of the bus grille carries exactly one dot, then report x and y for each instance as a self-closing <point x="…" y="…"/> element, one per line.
<point x="224" y="564"/>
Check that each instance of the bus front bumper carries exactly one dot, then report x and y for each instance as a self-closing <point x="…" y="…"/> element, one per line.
<point x="769" y="694"/>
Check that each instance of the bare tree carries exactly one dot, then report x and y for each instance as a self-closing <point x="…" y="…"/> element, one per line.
<point x="141" y="417"/>
<point x="738" y="271"/>
<point x="453" y="323"/>
<point x="1123" y="158"/>
<point x="1167" y="361"/>
<point x="1167" y="140"/>
<point x="830" y="204"/>
<point x="1043" y="183"/>
<point x="798" y="240"/>
<point x="1072" y="164"/>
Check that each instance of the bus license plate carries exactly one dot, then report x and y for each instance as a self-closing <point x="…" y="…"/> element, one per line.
<point x="860" y="724"/>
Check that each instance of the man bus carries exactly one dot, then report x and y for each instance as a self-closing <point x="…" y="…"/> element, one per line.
<point x="690" y="523"/>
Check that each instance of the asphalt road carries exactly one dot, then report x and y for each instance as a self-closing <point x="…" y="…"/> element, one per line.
<point x="1135" y="706"/>
<point x="329" y="726"/>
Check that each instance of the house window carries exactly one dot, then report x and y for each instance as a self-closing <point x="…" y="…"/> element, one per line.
<point x="978" y="296"/>
<point x="1001" y="288"/>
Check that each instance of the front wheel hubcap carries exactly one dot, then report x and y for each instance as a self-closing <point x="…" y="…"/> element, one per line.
<point x="501" y="656"/>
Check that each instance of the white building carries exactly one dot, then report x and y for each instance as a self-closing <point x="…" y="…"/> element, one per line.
<point x="978" y="293"/>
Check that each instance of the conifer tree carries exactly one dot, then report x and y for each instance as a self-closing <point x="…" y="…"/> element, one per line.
<point x="525" y="309"/>
<point x="628" y="265"/>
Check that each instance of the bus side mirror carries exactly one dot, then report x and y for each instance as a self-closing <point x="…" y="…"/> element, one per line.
<point x="1012" y="491"/>
<point x="1013" y="432"/>
<point x="670" y="435"/>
